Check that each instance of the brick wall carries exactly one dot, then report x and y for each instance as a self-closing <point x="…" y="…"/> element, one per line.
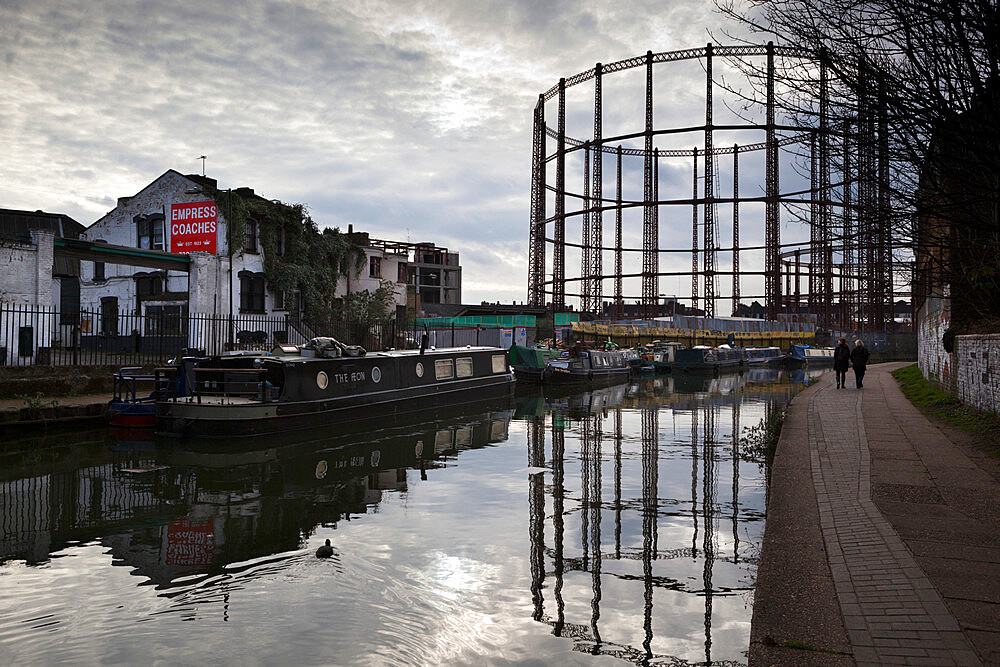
<point x="977" y="371"/>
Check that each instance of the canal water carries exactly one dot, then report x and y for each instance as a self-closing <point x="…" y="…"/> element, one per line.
<point x="615" y="525"/>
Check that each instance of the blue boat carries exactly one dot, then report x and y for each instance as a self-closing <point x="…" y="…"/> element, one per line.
<point x="804" y="355"/>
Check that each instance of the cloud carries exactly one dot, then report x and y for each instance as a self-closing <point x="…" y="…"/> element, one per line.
<point x="407" y="120"/>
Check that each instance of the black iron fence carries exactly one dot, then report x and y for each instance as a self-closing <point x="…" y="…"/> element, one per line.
<point x="44" y="336"/>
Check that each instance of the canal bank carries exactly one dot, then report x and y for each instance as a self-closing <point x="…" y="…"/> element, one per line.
<point x="30" y="414"/>
<point x="882" y="541"/>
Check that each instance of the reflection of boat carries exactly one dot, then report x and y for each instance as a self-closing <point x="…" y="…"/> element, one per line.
<point x="593" y="401"/>
<point x="806" y="354"/>
<point x="330" y="383"/>
<point x="711" y="359"/>
<point x="598" y="366"/>
<point x="528" y="363"/>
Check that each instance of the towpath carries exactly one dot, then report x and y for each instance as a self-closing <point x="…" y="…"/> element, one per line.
<point x="882" y="543"/>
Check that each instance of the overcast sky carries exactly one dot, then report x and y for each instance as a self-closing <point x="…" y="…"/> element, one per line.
<point x="410" y="120"/>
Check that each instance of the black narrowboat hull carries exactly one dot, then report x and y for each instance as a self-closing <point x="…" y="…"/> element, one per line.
<point x="596" y="376"/>
<point x="351" y="391"/>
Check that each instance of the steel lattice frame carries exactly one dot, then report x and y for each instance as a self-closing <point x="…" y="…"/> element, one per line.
<point x="848" y="257"/>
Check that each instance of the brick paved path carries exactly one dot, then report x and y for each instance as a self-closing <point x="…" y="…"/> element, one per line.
<point x="891" y="609"/>
<point x="911" y="526"/>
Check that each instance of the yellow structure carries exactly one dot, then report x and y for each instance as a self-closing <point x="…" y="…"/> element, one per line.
<point x="626" y="335"/>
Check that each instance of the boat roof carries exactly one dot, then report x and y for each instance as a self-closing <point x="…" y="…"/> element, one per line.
<point x="429" y="352"/>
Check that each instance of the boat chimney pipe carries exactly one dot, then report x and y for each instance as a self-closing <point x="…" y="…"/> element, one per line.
<point x="423" y="343"/>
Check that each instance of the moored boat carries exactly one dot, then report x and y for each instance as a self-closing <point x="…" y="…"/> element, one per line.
<point x="607" y="366"/>
<point x="710" y="359"/>
<point x="808" y="355"/>
<point x="528" y="363"/>
<point x="326" y="383"/>
<point x="764" y="355"/>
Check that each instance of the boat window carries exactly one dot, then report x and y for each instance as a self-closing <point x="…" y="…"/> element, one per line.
<point x="463" y="367"/>
<point x="419" y="370"/>
<point x="499" y="363"/>
<point x="444" y="369"/>
<point x="322" y="380"/>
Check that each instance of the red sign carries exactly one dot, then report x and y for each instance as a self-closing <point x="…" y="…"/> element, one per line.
<point x="190" y="542"/>
<point x="193" y="227"/>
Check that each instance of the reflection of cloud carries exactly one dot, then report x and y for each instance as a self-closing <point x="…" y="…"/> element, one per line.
<point x="401" y="118"/>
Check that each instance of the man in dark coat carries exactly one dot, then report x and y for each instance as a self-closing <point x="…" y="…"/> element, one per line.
<point x="859" y="359"/>
<point x="841" y="362"/>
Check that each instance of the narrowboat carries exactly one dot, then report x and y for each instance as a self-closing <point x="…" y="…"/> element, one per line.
<point x="799" y="355"/>
<point x="528" y="363"/>
<point x="710" y="359"/>
<point x="660" y="357"/>
<point x="607" y="366"/>
<point x="764" y="355"/>
<point x="324" y="383"/>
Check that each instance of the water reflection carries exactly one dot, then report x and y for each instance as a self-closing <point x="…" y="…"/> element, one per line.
<point x="172" y="511"/>
<point x="693" y="408"/>
<point x="639" y="541"/>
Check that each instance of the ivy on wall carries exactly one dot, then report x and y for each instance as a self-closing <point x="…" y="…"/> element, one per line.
<point x="310" y="261"/>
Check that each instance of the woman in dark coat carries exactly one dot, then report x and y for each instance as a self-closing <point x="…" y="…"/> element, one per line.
<point x="841" y="362"/>
<point x="859" y="359"/>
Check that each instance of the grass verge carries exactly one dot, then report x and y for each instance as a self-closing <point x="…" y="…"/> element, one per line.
<point x="934" y="401"/>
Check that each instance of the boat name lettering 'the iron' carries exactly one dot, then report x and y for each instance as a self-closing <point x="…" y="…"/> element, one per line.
<point x="344" y="378"/>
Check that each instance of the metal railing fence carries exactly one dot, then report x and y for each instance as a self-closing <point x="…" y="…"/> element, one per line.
<point x="31" y="335"/>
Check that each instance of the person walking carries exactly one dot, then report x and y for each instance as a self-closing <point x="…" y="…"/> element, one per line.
<point x="859" y="359"/>
<point x="841" y="362"/>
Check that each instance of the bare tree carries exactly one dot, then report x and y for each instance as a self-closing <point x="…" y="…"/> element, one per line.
<point x="926" y="77"/>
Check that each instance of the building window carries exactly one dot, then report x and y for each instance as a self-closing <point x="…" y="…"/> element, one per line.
<point x="149" y="285"/>
<point x="150" y="231"/>
<point x="375" y="267"/>
<point x="99" y="266"/>
<point x="252" y="236"/>
<point x="279" y="242"/>
<point x="279" y="299"/>
<point x="251" y="292"/>
<point x="69" y="300"/>
<point x="401" y="272"/>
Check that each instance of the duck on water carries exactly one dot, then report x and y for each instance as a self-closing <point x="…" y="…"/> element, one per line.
<point x="323" y="383"/>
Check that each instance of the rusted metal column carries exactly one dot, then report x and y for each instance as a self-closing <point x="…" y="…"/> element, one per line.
<point x="536" y="234"/>
<point x="656" y="227"/>
<point x="736" y="230"/>
<point x="884" y="212"/>
<point x="847" y="296"/>
<point x="596" y="202"/>
<point x="586" y="249"/>
<point x="709" y="206"/>
<point x="772" y="279"/>
<point x="619" y="301"/>
<point x="650" y="237"/>
<point x="815" y="263"/>
<point x="559" y="247"/>
<point x="826" y="246"/>
<point x="694" y="230"/>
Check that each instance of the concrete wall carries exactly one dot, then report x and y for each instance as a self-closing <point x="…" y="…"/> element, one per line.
<point x="977" y="371"/>
<point x="933" y="319"/>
